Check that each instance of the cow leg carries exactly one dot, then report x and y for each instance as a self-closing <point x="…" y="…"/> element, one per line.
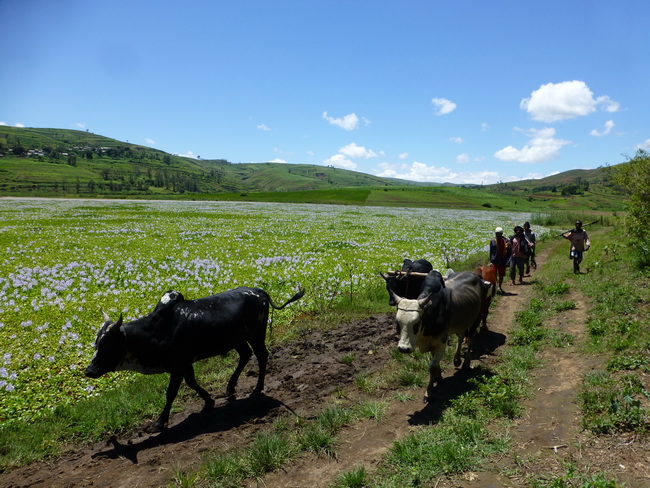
<point x="262" y="355"/>
<point x="190" y="379"/>
<point x="458" y="349"/>
<point x="435" y="374"/>
<point x="245" y="354"/>
<point x="470" y="334"/>
<point x="175" y="380"/>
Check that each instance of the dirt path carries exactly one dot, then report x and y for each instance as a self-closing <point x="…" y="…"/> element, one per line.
<point x="367" y="442"/>
<point x="304" y="375"/>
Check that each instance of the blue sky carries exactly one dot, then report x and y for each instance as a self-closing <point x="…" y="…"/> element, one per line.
<point x="458" y="91"/>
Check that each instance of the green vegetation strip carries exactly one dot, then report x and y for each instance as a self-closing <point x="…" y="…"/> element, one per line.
<point x="275" y="447"/>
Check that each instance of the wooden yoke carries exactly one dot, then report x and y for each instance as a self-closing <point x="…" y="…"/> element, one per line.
<point x="406" y="273"/>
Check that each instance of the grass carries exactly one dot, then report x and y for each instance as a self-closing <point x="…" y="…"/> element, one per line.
<point x="355" y="478"/>
<point x="613" y="400"/>
<point x="616" y="399"/>
<point x="287" y="438"/>
<point x="613" y="404"/>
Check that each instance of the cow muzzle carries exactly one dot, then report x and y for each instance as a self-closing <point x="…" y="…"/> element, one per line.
<point x="92" y="372"/>
<point x="405" y="349"/>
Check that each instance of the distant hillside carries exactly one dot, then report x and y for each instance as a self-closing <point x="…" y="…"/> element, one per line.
<point x="58" y="162"/>
<point x="596" y="176"/>
<point x="69" y="163"/>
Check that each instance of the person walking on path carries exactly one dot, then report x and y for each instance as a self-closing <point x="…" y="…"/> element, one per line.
<point x="499" y="255"/>
<point x="579" y="244"/>
<point x="519" y="251"/>
<point x="532" y="239"/>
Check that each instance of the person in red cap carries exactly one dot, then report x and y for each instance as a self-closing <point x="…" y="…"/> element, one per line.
<point x="499" y="254"/>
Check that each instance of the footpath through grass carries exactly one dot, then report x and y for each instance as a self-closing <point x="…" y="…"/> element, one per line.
<point x="614" y="400"/>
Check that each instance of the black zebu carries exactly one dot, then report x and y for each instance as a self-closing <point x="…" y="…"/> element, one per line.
<point x="404" y="284"/>
<point x="179" y="332"/>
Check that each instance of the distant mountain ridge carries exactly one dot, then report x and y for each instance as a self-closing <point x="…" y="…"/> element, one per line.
<point x="54" y="161"/>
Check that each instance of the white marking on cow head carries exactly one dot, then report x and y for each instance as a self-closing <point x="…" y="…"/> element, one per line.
<point x="409" y="320"/>
<point x="168" y="297"/>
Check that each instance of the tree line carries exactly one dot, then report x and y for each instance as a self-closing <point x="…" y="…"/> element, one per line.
<point x="633" y="177"/>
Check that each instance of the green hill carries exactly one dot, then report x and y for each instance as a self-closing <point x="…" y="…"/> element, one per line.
<point x="69" y="163"/>
<point x="47" y="162"/>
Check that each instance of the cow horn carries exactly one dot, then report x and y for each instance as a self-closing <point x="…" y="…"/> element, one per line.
<point x="423" y="301"/>
<point x="105" y="316"/>
<point x="115" y="326"/>
<point x="385" y="277"/>
<point x="396" y="297"/>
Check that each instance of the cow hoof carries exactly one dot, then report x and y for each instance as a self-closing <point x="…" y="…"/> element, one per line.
<point x="456" y="362"/>
<point x="209" y="405"/>
<point x="156" y="427"/>
<point x="231" y="398"/>
<point x="425" y="400"/>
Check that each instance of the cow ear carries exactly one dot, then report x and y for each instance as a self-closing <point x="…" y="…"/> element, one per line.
<point x="395" y="297"/>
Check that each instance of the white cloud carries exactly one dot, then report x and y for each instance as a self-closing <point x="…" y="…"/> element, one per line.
<point x="403" y="155"/>
<point x="80" y="125"/>
<point x="339" y="161"/>
<point x="366" y="120"/>
<point x="311" y="153"/>
<point x="542" y="147"/>
<point x="457" y="140"/>
<point x="554" y="102"/>
<point x="485" y="127"/>
<point x="462" y="158"/>
<point x="263" y="127"/>
<point x="277" y="160"/>
<point x="3" y="123"/>
<point x="354" y="151"/>
<point x="609" y="125"/>
<point x="150" y="141"/>
<point x="644" y="145"/>
<point x="18" y="124"/>
<point x="443" y="105"/>
<point x="349" y="122"/>
<point x="433" y="174"/>
<point x="189" y="154"/>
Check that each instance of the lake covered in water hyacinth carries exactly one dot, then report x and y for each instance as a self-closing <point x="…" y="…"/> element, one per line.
<point x="64" y="260"/>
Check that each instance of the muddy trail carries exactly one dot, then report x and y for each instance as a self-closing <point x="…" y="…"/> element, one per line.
<point x="306" y="374"/>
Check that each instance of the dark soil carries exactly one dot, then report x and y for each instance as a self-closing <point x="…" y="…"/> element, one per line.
<point x="305" y="374"/>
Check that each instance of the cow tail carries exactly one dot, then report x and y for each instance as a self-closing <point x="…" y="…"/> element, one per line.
<point x="297" y="296"/>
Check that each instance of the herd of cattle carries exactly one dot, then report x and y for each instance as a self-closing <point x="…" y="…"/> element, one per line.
<point x="179" y="332"/>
